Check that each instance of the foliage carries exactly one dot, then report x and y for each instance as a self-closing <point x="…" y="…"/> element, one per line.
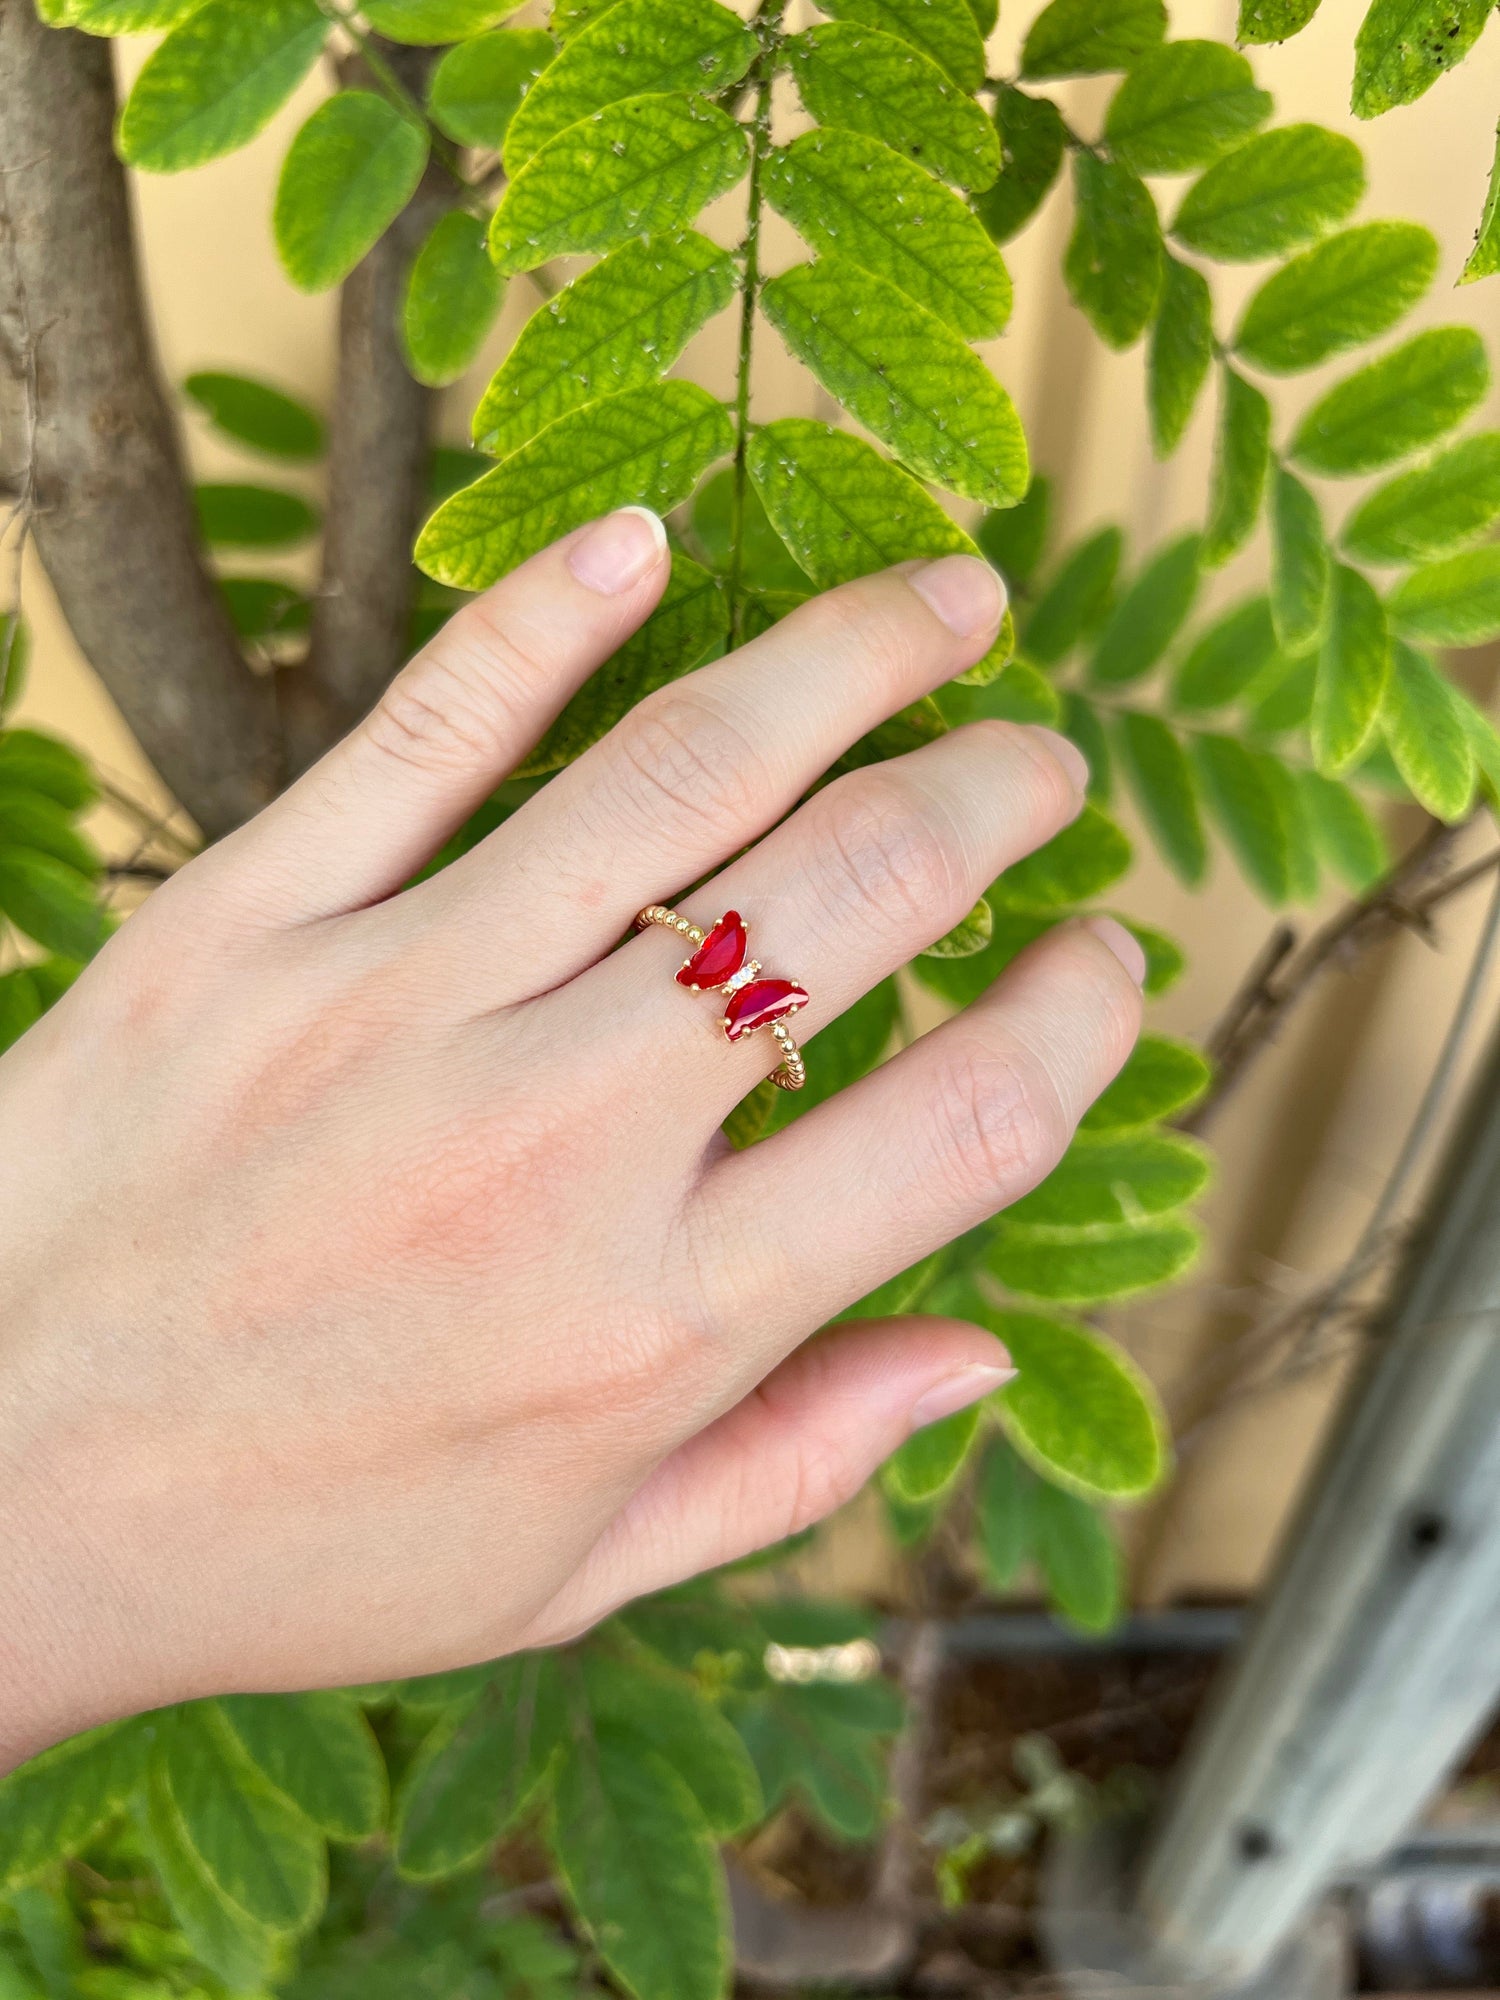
<point x="1262" y="726"/>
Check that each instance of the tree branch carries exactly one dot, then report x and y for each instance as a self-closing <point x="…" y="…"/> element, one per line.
<point x="1282" y="974"/>
<point x="103" y="481"/>
<point x="379" y="446"/>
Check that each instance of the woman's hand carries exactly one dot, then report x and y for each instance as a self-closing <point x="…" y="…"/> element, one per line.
<point x="380" y="1292"/>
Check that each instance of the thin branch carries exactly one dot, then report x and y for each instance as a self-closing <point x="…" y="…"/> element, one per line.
<point x="1261" y="1005"/>
<point x="379" y="451"/>
<point x="102" y="473"/>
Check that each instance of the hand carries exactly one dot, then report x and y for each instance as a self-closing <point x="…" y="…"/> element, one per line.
<point x="380" y="1291"/>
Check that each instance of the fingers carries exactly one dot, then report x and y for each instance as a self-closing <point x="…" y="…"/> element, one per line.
<point x="927" y="1146"/>
<point x="706" y="764"/>
<point x="796" y="1448"/>
<point x="451" y="725"/>
<point x="865" y="875"/>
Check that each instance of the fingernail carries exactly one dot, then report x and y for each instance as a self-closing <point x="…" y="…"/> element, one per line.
<point x="1066" y="752"/>
<point x="963" y="591"/>
<point x="1118" y="940"/>
<point x="618" y="551"/>
<point x="957" y="1392"/>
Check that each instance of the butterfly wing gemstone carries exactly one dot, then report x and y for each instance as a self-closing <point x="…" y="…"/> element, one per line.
<point x="759" y="1003"/>
<point x="719" y="957"/>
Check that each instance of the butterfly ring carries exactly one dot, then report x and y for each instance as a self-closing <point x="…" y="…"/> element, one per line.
<point x="718" y="959"/>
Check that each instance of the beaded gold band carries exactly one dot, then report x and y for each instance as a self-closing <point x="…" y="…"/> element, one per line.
<point x="719" y="959"/>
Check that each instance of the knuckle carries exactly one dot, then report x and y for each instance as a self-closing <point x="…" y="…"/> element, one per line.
<point x="681" y="749"/>
<point x="433" y="720"/>
<point x="822" y="1480"/>
<point x="999" y="1122"/>
<point x="893" y="860"/>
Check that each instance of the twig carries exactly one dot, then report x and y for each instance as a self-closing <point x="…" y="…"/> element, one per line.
<point x="1263" y="1002"/>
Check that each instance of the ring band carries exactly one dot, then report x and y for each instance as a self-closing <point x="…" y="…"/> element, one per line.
<point x="719" y="959"/>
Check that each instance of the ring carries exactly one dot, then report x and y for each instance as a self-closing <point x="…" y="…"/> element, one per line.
<point x="718" y="960"/>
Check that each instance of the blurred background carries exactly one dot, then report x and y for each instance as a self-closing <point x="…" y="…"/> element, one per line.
<point x="1305" y="1144"/>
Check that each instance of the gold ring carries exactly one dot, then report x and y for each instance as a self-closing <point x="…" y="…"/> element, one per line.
<point x="718" y="959"/>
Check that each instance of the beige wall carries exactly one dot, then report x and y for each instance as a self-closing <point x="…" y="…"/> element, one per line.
<point x="1304" y="1148"/>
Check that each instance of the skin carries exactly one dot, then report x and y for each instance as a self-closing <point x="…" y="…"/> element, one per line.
<point x="380" y="1292"/>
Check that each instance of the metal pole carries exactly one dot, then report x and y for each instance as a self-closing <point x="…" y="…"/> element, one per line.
<point x="1375" y="1657"/>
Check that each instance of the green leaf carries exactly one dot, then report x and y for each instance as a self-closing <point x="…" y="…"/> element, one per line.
<point x="961" y="980"/>
<point x="218" y="78"/>
<point x="1353" y="667"/>
<point x="1337" y="295"/>
<point x="1113" y="262"/>
<point x="1405" y="400"/>
<point x="1077" y="1557"/>
<point x="1244" y="801"/>
<point x="1300" y="565"/>
<point x="51" y="901"/>
<point x="453" y="294"/>
<point x="478" y="1768"/>
<point x="972" y="933"/>
<point x="1082" y="723"/>
<point x="429" y="23"/>
<point x="866" y="81"/>
<point x="459" y="1687"/>
<point x="640" y="167"/>
<point x="690" y="622"/>
<point x="256" y="414"/>
<point x="648" y="447"/>
<point x="1082" y="1266"/>
<point x="1073" y="867"/>
<point x="1166" y="794"/>
<point x="844" y="511"/>
<point x="1404" y="46"/>
<point x="347" y="175"/>
<point x="1033" y="139"/>
<point x="904" y="375"/>
<point x="1484" y="258"/>
<point x="638" y="1862"/>
<point x="1454" y="602"/>
<point x="1271" y="195"/>
<point x="663" y="1712"/>
<point x="21" y="1007"/>
<point x="644" y="47"/>
<point x="1344" y="835"/>
<point x="116" y="17"/>
<point x="52" y="1805"/>
<point x="478" y="86"/>
<point x="908" y="729"/>
<point x="944" y="31"/>
<point x="1079" y="1410"/>
<point x="263" y="1854"/>
<point x="1116" y="1177"/>
<point x="1424" y="726"/>
<point x="1432" y="510"/>
<point x="898" y="1295"/>
<point x="852" y="196"/>
<point x="1285" y="701"/>
<point x="32" y="762"/>
<point x="15" y="654"/>
<point x="31" y="819"/>
<point x="319" y="1750"/>
<point x="932" y="1458"/>
<point x="1014" y="539"/>
<point x="1485" y="742"/>
<point x="236" y="515"/>
<point x="1149" y="615"/>
<point x="1002" y="1515"/>
<point x="242" y="1952"/>
<point x="1182" y="347"/>
<point x="1273" y="20"/>
<point x="619" y="326"/>
<point x="1165" y="959"/>
<point x="1076" y="601"/>
<point x="1086" y="37"/>
<point x="798" y="1747"/>
<point x="1242" y="457"/>
<point x="1161" y="1076"/>
<point x="1181" y="106"/>
<point x="1225" y="659"/>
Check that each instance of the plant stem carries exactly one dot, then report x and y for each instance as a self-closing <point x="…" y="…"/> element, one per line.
<point x="768" y="22"/>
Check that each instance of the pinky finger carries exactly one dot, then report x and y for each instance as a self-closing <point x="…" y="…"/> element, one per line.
<point x="795" y="1449"/>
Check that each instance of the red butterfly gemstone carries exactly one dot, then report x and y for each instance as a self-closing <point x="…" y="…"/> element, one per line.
<point x="719" y="957"/>
<point x="760" y="1002"/>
